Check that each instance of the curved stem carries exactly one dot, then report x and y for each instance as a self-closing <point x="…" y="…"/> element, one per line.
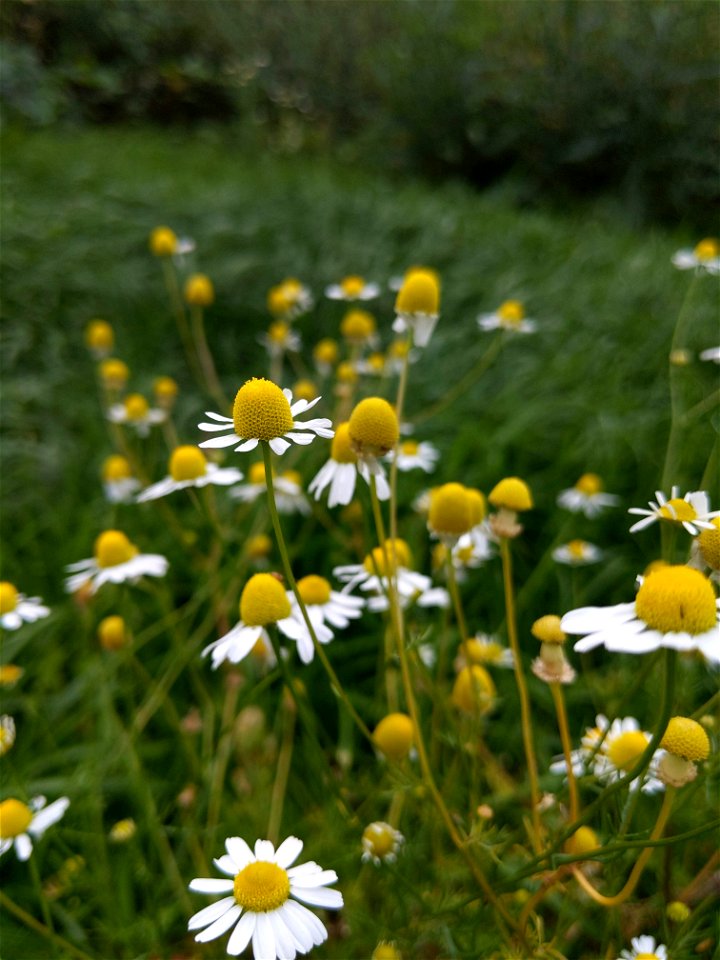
<point x="207" y="365"/>
<point x="557" y="695"/>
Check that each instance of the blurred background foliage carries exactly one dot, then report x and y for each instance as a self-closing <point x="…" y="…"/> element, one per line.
<point x="567" y="98"/>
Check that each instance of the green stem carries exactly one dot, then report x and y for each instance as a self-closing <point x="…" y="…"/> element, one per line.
<point x="282" y="773"/>
<point x="673" y="450"/>
<point x="207" y="364"/>
<point x="35" y="925"/>
<point x="44" y="907"/>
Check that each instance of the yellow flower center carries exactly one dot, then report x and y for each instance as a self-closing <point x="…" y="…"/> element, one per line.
<point x="686" y="738"/>
<point x="199" y="291"/>
<point x="646" y="956"/>
<point x="258" y="546"/>
<point x="386" y="951"/>
<point x="256" y="473"/>
<point x="10" y="673"/>
<point x="165" y="388"/>
<point x="278" y="300"/>
<point x="112" y="633"/>
<point x="314" y="590"/>
<point x="547" y="629"/>
<point x="352" y="286"/>
<point x="677" y="599"/>
<point x="112" y="548"/>
<point x="116" y="468"/>
<point x="261" y="887"/>
<point x="589" y="484"/>
<point x="278" y="331"/>
<point x="326" y="351"/>
<point x="625" y="750"/>
<point x="709" y="542"/>
<point x="398" y="555"/>
<point x="99" y="335"/>
<point x="478" y="507"/>
<point x="357" y="325"/>
<point x="15" y="818"/>
<point x="678" y="510"/>
<point x="263" y="601"/>
<point x="707" y="249"/>
<point x="136" y="406"/>
<point x="114" y="373"/>
<point x="399" y="349"/>
<point x="511" y="311"/>
<point x="379" y="839"/>
<point x="163" y="242"/>
<point x="346" y="372"/>
<point x="305" y="390"/>
<point x="374" y="427"/>
<point x="465" y="554"/>
<point x="341" y="449"/>
<point x="513" y="494"/>
<point x="292" y="476"/>
<point x="261" y="411"/>
<point x="473" y="690"/>
<point x="577" y="549"/>
<point x="450" y="511"/>
<point x="409" y="448"/>
<point x="8" y="597"/>
<point x="419" y="294"/>
<point x="483" y="652"/>
<point x="582" y="841"/>
<point x="394" y="736"/>
<point x="187" y="463"/>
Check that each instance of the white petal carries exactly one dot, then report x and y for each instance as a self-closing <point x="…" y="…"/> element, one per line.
<point x="240" y="852"/>
<point x="213" y="427"/>
<point x="264" y="939"/>
<point x="322" y="478"/>
<point x="278" y="445"/>
<point x="210" y="914"/>
<point x="291" y="628"/>
<point x="264" y="850"/>
<point x="299" y="931"/>
<point x="284" y="941"/>
<point x="319" y="879"/>
<point x="242" y="934"/>
<point x="218" y="416"/>
<point x="247" y="445"/>
<point x="221" y="925"/>
<point x="217" y="442"/>
<point x="23" y="847"/>
<point x="321" y="897"/>
<point x="226" y="865"/>
<point x="343" y="484"/>
<point x="45" y="818"/>
<point x="591" y="619"/>
<point x="302" y="439"/>
<point x="626" y="642"/>
<point x="288" y="852"/>
<point x="301" y="915"/>
<point x="210" y="885"/>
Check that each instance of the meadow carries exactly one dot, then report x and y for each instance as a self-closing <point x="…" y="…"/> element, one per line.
<point x="609" y="383"/>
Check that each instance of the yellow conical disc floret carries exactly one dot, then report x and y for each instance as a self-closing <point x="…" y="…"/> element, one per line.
<point x="419" y="293"/>
<point x="451" y="512"/>
<point x="589" y="484"/>
<point x="263" y="601"/>
<point x="326" y="351"/>
<point x="256" y="473"/>
<point x="261" y="887"/>
<point x="165" y="389"/>
<point x="478" y="506"/>
<point x="199" y="291"/>
<point x="386" y="951"/>
<point x="112" y="548"/>
<point x="687" y="739"/>
<point x="314" y="590"/>
<point x="261" y="411"/>
<point x="380" y="840"/>
<point x="678" y="510"/>
<point x="707" y="249"/>
<point x="116" y="468"/>
<point x="163" y="242"/>
<point x="357" y="326"/>
<point x="394" y="736"/>
<point x="112" y="633"/>
<point x="15" y="818"/>
<point x="397" y="553"/>
<point x="511" y="311"/>
<point x="305" y="390"/>
<point x="547" y="629"/>
<point x="341" y="449"/>
<point x="8" y="597"/>
<point x="374" y="427"/>
<point x="709" y="544"/>
<point x="346" y="372"/>
<point x="352" y="286"/>
<point x="258" y="546"/>
<point x="99" y="335"/>
<point x="187" y="463"/>
<point x="582" y="841"/>
<point x="627" y="748"/>
<point x="136" y="406"/>
<point x="677" y="599"/>
<point x="473" y="690"/>
<point x="114" y="373"/>
<point x="512" y="493"/>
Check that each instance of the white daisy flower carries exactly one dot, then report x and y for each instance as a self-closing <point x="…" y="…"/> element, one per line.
<point x="645" y="948"/>
<point x="586" y="496"/>
<point x="381" y="843"/>
<point x="372" y="365"/>
<point x="289" y="299"/>
<point x="611" y="750"/>
<point x="262" y="602"/>
<point x="119" y="484"/>
<point x="324" y="606"/>
<point x="20" y="823"/>
<point x="16" y="608"/>
<point x="412" y="455"/>
<point x="577" y="553"/>
<point x="705" y="257"/>
<point x="7" y="734"/>
<point x="675" y="607"/>
<point x="510" y="316"/>
<point x="372" y="577"/>
<point x="692" y="511"/>
<point x="137" y="413"/>
<point x="116" y="560"/>
<point x="262" y="411"/>
<point x="712" y="353"/>
<point x="289" y="494"/>
<point x="189" y="468"/>
<point x="472" y="550"/>
<point x="352" y="287"/>
<point x="341" y="471"/>
<point x="280" y="338"/>
<point x="485" y="650"/>
<point x="260" y="904"/>
<point x="417" y="306"/>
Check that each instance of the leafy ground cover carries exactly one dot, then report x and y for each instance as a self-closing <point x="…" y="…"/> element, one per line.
<point x="588" y="391"/>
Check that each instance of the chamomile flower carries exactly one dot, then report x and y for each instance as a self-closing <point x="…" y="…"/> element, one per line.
<point x="16" y="608"/>
<point x="414" y="455"/>
<point x="7" y="734"/>
<point x="486" y="651"/>
<point x="586" y="496"/>
<point x="119" y="484"/>
<point x="326" y="608"/>
<point x="289" y="299"/>
<point x="351" y="288"/>
<point x="417" y="306"/>
<point x="510" y="316"/>
<point x="189" y="468"/>
<point x="116" y="560"/>
<point x="114" y="374"/>
<point x="704" y="257"/>
<point x="359" y="328"/>
<point x="199" y="291"/>
<point x="262" y="902"/>
<point x="325" y="356"/>
<point x="262" y="602"/>
<point x="280" y="338"/>
<point x="137" y="413"/>
<point x="372" y="576"/>
<point x="163" y="242"/>
<point x="381" y="843"/>
<point x="675" y="607"/>
<point x="289" y="494"/>
<point x="712" y="353"/>
<point x="692" y="511"/>
<point x="340" y="472"/>
<point x="608" y="751"/>
<point x="262" y="411"/>
<point x="644" y="948"/>
<point x="577" y="553"/>
<point x="99" y="338"/>
<point x="20" y="823"/>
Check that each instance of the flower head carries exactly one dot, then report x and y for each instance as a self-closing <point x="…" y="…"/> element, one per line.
<point x="692" y="511"/>
<point x="20" y="822"/>
<point x="163" y="242"/>
<point x="643" y="948"/>
<point x="326" y="608"/>
<point x="199" y="290"/>
<point x="412" y="455"/>
<point x="391" y="560"/>
<point x="116" y="560"/>
<point x="586" y="496"/>
<point x="114" y="373"/>
<point x="705" y="257"/>
<point x="99" y="338"/>
<point x="262" y="411"/>
<point x="289" y="299"/>
<point x="16" y="608"/>
<point x="394" y="736"/>
<point x="325" y="355"/>
<point x="418" y="305"/>
<point x="510" y="316"/>
<point x="359" y="328"/>
<point x="474" y="691"/>
<point x="188" y="467"/>
<point x="165" y="390"/>
<point x="137" y="413"/>
<point x="352" y="287"/>
<point x="373" y="428"/>
<point x="262" y="902"/>
<point x="577" y="553"/>
<point x="381" y="843"/>
<point x="113" y="633"/>
<point x="289" y="494"/>
<point x="7" y="734"/>
<point x="119" y="484"/>
<point x="340" y="472"/>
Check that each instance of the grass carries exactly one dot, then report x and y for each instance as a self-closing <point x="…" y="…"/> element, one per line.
<point x="589" y="391"/>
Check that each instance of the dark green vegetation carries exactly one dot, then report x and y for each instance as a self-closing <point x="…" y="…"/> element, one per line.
<point x="588" y="391"/>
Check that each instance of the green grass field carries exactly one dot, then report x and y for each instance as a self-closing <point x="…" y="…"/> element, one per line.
<point x="589" y="391"/>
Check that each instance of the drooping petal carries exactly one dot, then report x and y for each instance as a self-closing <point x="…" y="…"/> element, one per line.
<point x="45" y="818"/>
<point x="221" y="925"/>
<point x="23" y="847"/>
<point x="284" y="941"/>
<point x="242" y="934"/>
<point x="319" y="879"/>
<point x="217" y="442"/>
<point x="210" y="914"/>
<point x="320" y="897"/>
<point x="278" y="445"/>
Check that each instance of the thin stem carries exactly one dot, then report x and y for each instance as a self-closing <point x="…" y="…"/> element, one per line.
<point x="40" y="928"/>
<point x="670" y="469"/>
<point x="44" y="907"/>
<point x="282" y="773"/>
<point x="559" y="700"/>
<point x="223" y="753"/>
<point x="207" y="364"/>
<point x="457" y="604"/>
<point x="399" y="404"/>
<point x="178" y="309"/>
<point x="525" y="718"/>
<point x="396" y="620"/>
